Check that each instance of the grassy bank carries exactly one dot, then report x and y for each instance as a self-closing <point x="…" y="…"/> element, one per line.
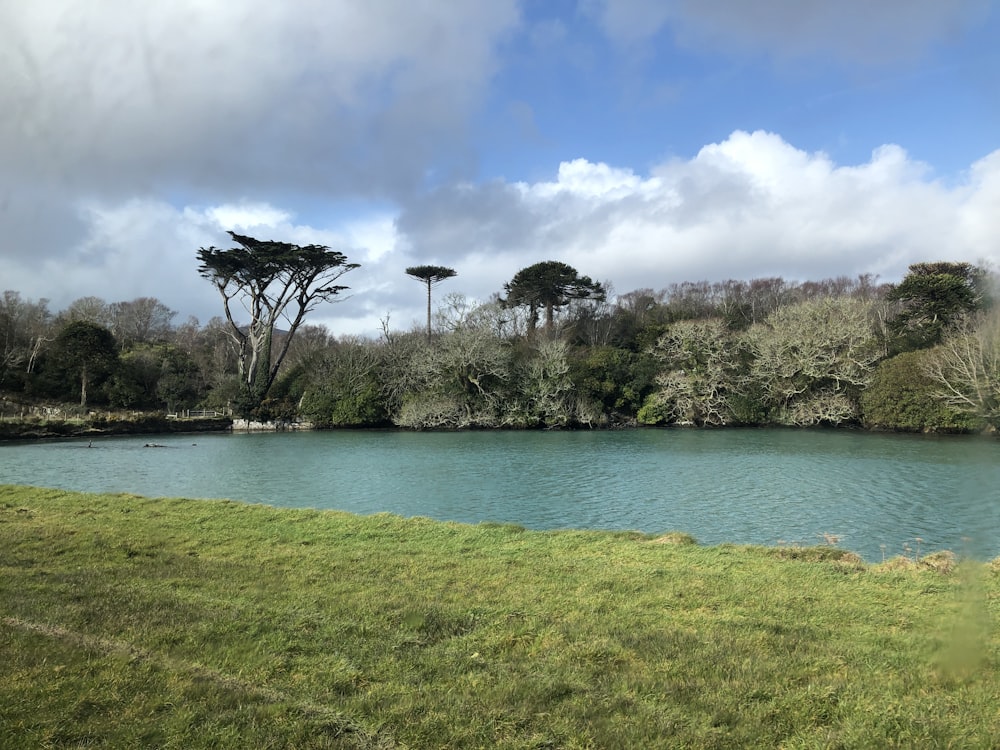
<point x="130" y="622"/>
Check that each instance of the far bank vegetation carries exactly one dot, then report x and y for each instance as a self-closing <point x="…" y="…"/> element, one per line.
<point x="921" y="355"/>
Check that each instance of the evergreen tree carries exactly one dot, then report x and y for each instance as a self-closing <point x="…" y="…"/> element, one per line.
<point x="549" y="285"/>
<point x="272" y="281"/>
<point x="431" y="276"/>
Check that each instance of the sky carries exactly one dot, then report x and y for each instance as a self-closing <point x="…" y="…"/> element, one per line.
<point x="643" y="142"/>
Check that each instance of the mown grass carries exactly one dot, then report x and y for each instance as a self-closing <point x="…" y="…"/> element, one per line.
<point x="134" y="622"/>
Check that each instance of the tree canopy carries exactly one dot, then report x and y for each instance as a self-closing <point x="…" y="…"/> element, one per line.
<point x="549" y="285"/>
<point x="762" y="351"/>
<point x="271" y="280"/>
<point x="88" y="350"/>
<point x="934" y="296"/>
<point x="430" y="275"/>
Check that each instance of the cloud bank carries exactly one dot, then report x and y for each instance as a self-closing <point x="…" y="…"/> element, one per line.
<point x="135" y="133"/>
<point x="750" y="206"/>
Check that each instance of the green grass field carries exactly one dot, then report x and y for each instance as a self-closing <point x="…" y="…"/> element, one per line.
<point x="128" y="622"/>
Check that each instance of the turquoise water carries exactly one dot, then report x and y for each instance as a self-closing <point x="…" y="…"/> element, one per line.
<point x="742" y="486"/>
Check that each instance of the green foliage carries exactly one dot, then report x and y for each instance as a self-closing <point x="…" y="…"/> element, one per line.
<point x="617" y="379"/>
<point x="223" y="394"/>
<point x="180" y="382"/>
<point x="134" y="385"/>
<point x="273" y="281"/>
<point x="84" y="353"/>
<point x="256" y="265"/>
<point x="155" y="376"/>
<point x="748" y="405"/>
<point x="934" y="296"/>
<point x="431" y="276"/>
<point x="655" y="412"/>
<point x="786" y="352"/>
<point x="129" y="622"/>
<point x="901" y="396"/>
<point x="633" y="313"/>
<point x="549" y="285"/>
<point x="362" y="405"/>
<point x="344" y="390"/>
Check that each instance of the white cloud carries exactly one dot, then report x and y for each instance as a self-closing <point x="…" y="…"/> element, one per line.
<point x="245" y="217"/>
<point x="752" y="205"/>
<point x="584" y="179"/>
<point x="139" y="248"/>
<point x="977" y="222"/>
<point x="134" y="133"/>
<point x="118" y="114"/>
<point x="375" y="235"/>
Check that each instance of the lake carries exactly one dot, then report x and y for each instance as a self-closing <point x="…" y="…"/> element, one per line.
<point x="878" y="494"/>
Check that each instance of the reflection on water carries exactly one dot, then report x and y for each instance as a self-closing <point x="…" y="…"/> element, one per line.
<point x="742" y="486"/>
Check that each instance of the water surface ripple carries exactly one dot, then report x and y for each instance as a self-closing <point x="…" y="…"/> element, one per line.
<point x="877" y="493"/>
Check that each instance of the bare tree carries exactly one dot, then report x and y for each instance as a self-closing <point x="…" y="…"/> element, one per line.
<point x="311" y="344"/>
<point x="966" y="367"/>
<point x="811" y="359"/>
<point x="143" y="320"/>
<point x="89" y="310"/>
<point x="461" y="381"/>
<point x="638" y="305"/>
<point x="25" y="326"/>
<point x="458" y="311"/>
<point x="545" y="389"/>
<point x="700" y="370"/>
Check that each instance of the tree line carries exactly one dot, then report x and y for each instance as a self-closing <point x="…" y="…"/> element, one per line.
<point x="553" y="349"/>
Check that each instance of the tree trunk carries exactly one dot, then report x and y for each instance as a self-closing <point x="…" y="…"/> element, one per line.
<point x="83" y="386"/>
<point x="428" y="309"/>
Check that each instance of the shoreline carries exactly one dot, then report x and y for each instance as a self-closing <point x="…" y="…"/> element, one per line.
<point x="13" y="431"/>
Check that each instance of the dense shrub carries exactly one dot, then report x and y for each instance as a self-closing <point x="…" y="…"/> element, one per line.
<point x="811" y="360"/>
<point x="902" y="397"/>
<point x="617" y="379"/>
<point x="700" y="363"/>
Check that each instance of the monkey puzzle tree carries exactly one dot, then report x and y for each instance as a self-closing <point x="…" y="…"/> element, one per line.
<point x="87" y="351"/>
<point x="549" y="285"/>
<point x="935" y="295"/>
<point x="430" y="275"/>
<point x="272" y="281"/>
